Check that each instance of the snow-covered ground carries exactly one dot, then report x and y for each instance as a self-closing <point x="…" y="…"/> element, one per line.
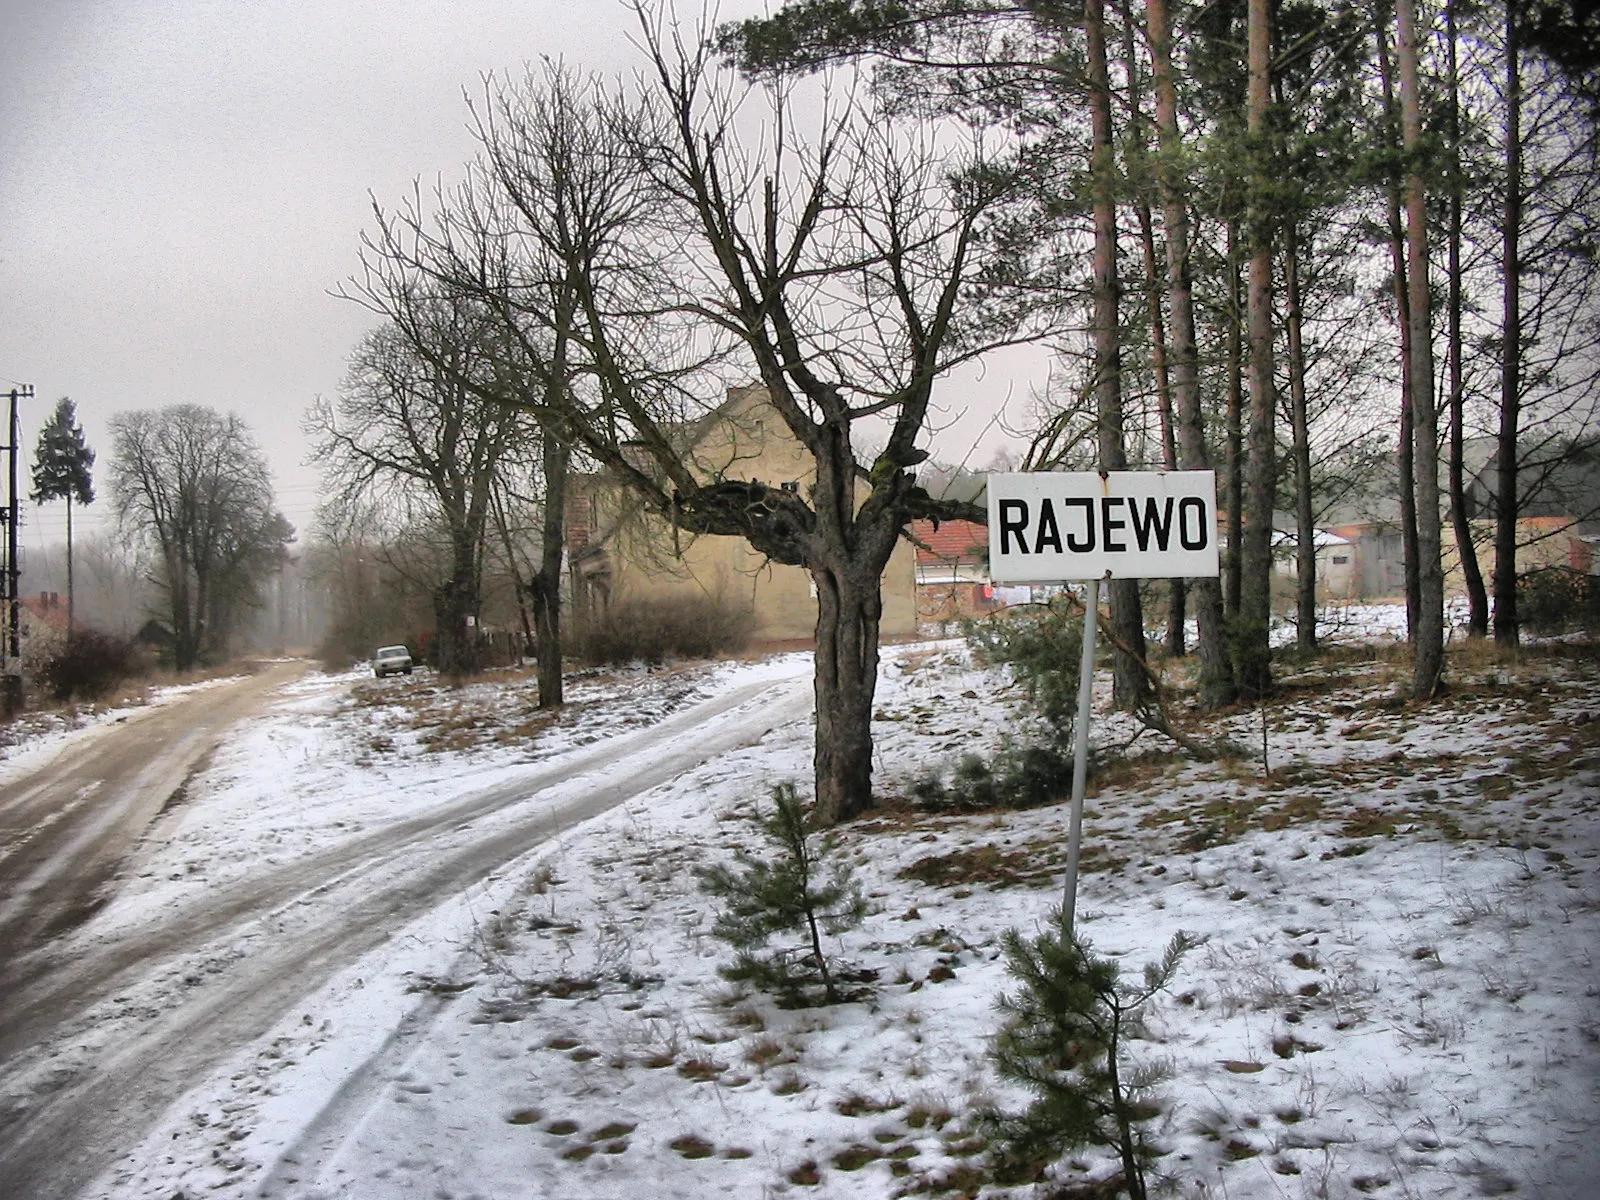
<point x="1398" y="993"/>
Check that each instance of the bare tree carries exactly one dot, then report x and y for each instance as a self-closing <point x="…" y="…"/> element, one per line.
<point x="408" y="426"/>
<point x="850" y="272"/>
<point x="372" y="586"/>
<point x="193" y="484"/>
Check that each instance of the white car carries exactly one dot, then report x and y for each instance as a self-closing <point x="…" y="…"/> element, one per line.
<point x="389" y="660"/>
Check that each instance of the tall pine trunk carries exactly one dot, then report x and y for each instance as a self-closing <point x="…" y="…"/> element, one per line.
<point x="1300" y="424"/>
<point x="1428" y="658"/>
<point x="1506" y="632"/>
<point x="1399" y="280"/>
<point x="1233" y="419"/>
<point x="1216" y="671"/>
<point x="1466" y="549"/>
<point x="1130" y="685"/>
<point x="1138" y="170"/>
<point x="1252" y="652"/>
<point x="70" y="625"/>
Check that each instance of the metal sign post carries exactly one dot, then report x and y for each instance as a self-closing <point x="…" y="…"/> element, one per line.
<point x="1080" y="749"/>
<point x="1086" y="525"/>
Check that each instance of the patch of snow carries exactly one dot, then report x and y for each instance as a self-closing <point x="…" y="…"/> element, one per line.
<point x="1397" y="995"/>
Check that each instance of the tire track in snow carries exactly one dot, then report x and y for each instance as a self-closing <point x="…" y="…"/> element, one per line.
<point x="326" y="911"/>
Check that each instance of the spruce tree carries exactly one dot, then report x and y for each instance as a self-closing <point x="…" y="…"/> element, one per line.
<point x="798" y="891"/>
<point x="1065" y="1040"/>
<point x="61" y="464"/>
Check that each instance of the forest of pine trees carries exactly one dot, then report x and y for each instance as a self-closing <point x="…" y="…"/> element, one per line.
<point x="1318" y="237"/>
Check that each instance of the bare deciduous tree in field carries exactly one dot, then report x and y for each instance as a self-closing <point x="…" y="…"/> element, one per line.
<point x="193" y="484"/>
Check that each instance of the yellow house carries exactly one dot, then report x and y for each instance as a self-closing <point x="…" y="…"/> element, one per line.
<point x="620" y="553"/>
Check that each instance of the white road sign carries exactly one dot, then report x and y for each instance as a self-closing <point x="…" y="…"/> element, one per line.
<point x="1046" y="527"/>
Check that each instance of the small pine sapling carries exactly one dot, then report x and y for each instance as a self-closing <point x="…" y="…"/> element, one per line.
<point x="803" y="888"/>
<point x="1065" y="1040"/>
<point x="1042" y="649"/>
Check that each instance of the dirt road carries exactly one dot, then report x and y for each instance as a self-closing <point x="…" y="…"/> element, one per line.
<point x="99" y="1036"/>
<point x="67" y="829"/>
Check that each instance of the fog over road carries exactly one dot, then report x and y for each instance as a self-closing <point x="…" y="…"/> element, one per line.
<point x="100" y="1033"/>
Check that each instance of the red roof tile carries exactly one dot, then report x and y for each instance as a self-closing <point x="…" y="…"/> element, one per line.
<point x="952" y="542"/>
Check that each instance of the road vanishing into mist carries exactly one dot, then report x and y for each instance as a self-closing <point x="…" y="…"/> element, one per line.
<point x="100" y="1034"/>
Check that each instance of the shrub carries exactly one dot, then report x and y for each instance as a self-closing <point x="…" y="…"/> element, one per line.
<point x="1021" y="775"/>
<point x="87" y="666"/>
<point x="1042" y="649"/>
<point x="798" y="891"/>
<point x="1065" y="1040"/>
<point x="655" y="630"/>
<point x="1558" y="600"/>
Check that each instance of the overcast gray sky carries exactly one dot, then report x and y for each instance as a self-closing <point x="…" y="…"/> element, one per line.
<point x="182" y="182"/>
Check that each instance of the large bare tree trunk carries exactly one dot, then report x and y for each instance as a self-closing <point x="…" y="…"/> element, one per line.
<point x="1130" y="684"/>
<point x="1252" y="652"/>
<point x="185" y="634"/>
<point x="1216" y="671"/>
<point x="1466" y="549"/>
<point x="454" y="601"/>
<point x="848" y="557"/>
<point x="1506" y="632"/>
<point x="1300" y="423"/>
<point x="849" y="608"/>
<point x="1428" y="660"/>
<point x="545" y="587"/>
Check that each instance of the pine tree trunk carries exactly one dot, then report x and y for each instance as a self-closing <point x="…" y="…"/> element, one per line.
<point x="1506" y="631"/>
<point x="69" y="567"/>
<point x="1216" y="671"/>
<point x="1177" y="593"/>
<point x="1400" y="285"/>
<point x="1232" y="562"/>
<point x="1428" y="660"/>
<point x="1466" y="549"/>
<point x="1252" y="652"/>
<point x="1177" y="590"/>
<point x="1130" y="686"/>
<point x="1300" y="422"/>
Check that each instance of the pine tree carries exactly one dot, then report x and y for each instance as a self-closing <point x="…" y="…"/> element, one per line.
<point x="1065" y="1040"/>
<point x="798" y="890"/>
<point x="61" y="464"/>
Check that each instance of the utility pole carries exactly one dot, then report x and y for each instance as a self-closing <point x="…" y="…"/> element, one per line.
<point x="11" y="577"/>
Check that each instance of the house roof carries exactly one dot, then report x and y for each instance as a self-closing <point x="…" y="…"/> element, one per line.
<point x="950" y="542"/>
